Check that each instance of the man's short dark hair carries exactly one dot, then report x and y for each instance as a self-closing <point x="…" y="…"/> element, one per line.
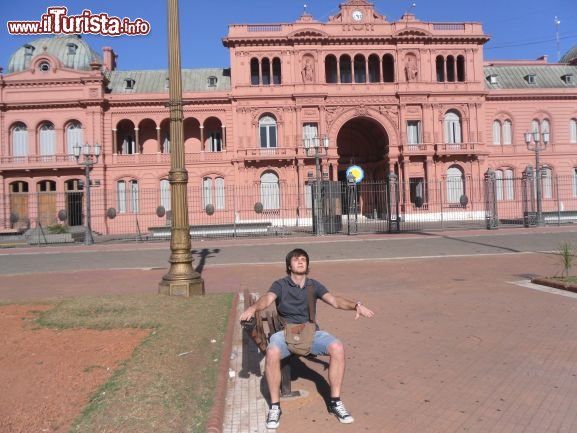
<point x="297" y="252"/>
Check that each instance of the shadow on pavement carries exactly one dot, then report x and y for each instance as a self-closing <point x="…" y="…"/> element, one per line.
<point x="202" y="255"/>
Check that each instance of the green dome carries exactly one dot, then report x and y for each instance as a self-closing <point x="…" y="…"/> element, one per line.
<point x="71" y="50"/>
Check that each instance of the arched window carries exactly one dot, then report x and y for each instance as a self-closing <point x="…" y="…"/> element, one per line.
<point x="219" y="193"/>
<point x="265" y="68"/>
<point x="502" y="132"/>
<point x="496" y="132"/>
<point x="331" y="76"/>
<point x="450" y="69"/>
<point x="440" y="65"/>
<point x="545" y="126"/>
<point x="267" y="132"/>
<point x="388" y="68"/>
<point x="127" y="196"/>
<point x="499" y="185"/>
<point x="374" y="70"/>
<point x="19" y="140"/>
<point x="504" y="184"/>
<point x="215" y="142"/>
<point x="360" y="69"/>
<point x="206" y="192"/>
<point x="345" y="69"/>
<point x="573" y="131"/>
<point x="254" y="72"/>
<point x="507" y="132"/>
<point x="547" y="182"/>
<point x="269" y="191"/>
<point x="452" y="123"/>
<point x="509" y="185"/>
<point x="166" y="141"/>
<point x="126" y="132"/>
<point x="47" y="139"/>
<point x="455" y="184"/>
<point x="541" y="127"/>
<point x="121" y="196"/>
<point x="165" y="194"/>
<point x="213" y="192"/>
<point x="74" y="136"/>
<point x="276" y="71"/>
<point x="460" y="68"/>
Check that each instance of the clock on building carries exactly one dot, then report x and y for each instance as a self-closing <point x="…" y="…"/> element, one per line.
<point x="357" y="15"/>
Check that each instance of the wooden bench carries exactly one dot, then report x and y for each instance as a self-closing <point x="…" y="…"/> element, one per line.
<point x="260" y="329"/>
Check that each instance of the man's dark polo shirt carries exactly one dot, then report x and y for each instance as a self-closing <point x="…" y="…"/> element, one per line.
<point x="291" y="300"/>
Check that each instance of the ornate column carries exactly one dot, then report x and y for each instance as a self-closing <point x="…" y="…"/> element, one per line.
<point x="158" y="139"/>
<point x="136" y="141"/>
<point x="181" y="279"/>
<point x="202" y="138"/>
<point x="114" y="141"/>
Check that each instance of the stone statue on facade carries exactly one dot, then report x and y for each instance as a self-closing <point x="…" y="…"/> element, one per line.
<point x="411" y="69"/>
<point x="308" y="71"/>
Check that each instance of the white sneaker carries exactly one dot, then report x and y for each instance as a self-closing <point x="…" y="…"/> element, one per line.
<point x="339" y="410"/>
<point x="273" y="417"/>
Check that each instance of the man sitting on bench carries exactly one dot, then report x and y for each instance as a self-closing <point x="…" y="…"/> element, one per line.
<point x="290" y="294"/>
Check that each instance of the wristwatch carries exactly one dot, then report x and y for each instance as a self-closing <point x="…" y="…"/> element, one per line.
<point x="357" y="304"/>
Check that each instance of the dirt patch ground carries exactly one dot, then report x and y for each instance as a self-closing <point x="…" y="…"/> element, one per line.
<point x="47" y="376"/>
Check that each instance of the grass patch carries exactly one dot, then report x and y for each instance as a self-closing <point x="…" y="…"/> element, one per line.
<point x="168" y="384"/>
<point x="566" y="279"/>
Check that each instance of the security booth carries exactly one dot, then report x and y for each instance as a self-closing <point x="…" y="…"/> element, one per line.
<point x="327" y="207"/>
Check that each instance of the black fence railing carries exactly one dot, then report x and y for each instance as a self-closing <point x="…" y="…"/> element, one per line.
<point x="285" y="210"/>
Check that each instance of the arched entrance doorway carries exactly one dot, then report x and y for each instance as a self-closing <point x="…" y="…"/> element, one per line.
<point x="363" y="142"/>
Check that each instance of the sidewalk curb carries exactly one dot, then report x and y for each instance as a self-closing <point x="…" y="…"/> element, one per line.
<point x="216" y="416"/>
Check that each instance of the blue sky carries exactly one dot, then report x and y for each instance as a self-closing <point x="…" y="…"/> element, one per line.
<point x="519" y="29"/>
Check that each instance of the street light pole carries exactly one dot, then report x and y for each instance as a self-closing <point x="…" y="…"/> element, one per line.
<point x="181" y="279"/>
<point x="318" y="145"/>
<point x="90" y="156"/>
<point x="537" y="142"/>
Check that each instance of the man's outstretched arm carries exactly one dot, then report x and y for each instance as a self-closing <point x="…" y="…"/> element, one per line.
<point x="263" y="302"/>
<point x="346" y="304"/>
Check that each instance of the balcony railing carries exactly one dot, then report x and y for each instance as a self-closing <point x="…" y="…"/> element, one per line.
<point x="36" y="161"/>
<point x="417" y="149"/>
<point x="455" y="148"/>
<point x="253" y="153"/>
<point x="164" y="158"/>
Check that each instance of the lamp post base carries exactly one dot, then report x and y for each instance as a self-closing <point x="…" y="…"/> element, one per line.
<point x="193" y="286"/>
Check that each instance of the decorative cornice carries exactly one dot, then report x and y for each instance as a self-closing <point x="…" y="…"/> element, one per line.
<point x="49" y="82"/>
<point x="156" y="102"/>
<point x="356" y="40"/>
<point x="51" y="104"/>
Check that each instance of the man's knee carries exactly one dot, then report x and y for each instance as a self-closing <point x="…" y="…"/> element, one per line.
<point x="336" y="349"/>
<point x="273" y="354"/>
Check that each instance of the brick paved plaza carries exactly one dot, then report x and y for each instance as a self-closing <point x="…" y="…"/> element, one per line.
<point x="457" y="343"/>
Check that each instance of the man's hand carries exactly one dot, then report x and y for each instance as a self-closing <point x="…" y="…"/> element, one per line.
<point x="363" y="311"/>
<point x="248" y="313"/>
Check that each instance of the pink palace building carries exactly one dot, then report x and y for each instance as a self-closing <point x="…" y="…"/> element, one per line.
<point x="410" y="100"/>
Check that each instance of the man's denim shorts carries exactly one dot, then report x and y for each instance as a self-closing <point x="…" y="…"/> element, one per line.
<point x="319" y="347"/>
